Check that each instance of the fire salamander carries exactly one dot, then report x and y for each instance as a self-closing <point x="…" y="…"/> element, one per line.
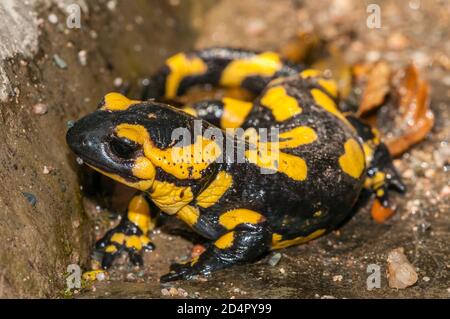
<point x="325" y="159"/>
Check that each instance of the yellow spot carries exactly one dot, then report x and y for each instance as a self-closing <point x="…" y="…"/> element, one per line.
<point x="118" y="238"/>
<point x="318" y="213"/>
<point x="190" y="110"/>
<point x="169" y="197"/>
<point x="139" y="213"/>
<point x="189" y="215"/>
<point x="111" y="249"/>
<point x="329" y="85"/>
<point x="180" y="67"/>
<point x="235" y="217"/>
<point x="375" y="181"/>
<point x="282" y="105"/>
<point x="368" y="148"/>
<point x="141" y="185"/>
<point x="352" y="161"/>
<point x="133" y="242"/>
<point x="117" y="102"/>
<point x="293" y="166"/>
<point x="215" y="190"/>
<point x="277" y="243"/>
<point x="265" y="64"/>
<point x="234" y="112"/>
<point x="194" y="260"/>
<point x="225" y="241"/>
<point x="310" y="73"/>
<point x="298" y="136"/>
<point x="144" y="240"/>
<point x="328" y="104"/>
<point x="94" y="275"/>
<point x="143" y="168"/>
<point x="380" y="192"/>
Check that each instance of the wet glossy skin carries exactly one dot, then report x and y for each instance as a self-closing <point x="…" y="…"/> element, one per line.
<point x="321" y="167"/>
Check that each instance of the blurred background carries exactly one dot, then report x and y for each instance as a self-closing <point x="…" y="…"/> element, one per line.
<point x="59" y="58"/>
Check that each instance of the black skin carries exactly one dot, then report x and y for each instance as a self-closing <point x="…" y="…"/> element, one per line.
<point x="287" y="207"/>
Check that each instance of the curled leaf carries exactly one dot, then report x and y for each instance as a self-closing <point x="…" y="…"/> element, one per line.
<point x="377" y="87"/>
<point x="407" y="116"/>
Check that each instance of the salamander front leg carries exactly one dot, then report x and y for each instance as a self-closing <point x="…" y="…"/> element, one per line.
<point x="132" y="234"/>
<point x="245" y="243"/>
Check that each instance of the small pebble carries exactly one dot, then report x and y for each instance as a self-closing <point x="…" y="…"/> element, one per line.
<point x="274" y="259"/>
<point x="80" y="161"/>
<point x="426" y="279"/>
<point x="118" y="82"/>
<point x="82" y="57"/>
<point x="40" y="109"/>
<point x="60" y="63"/>
<point x="401" y="273"/>
<point x="31" y="198"/>
<point x="46" y="170"/>
<point x="338" y="278"/>
<point x="70" y="124"/>
<point x="53" y="18"/>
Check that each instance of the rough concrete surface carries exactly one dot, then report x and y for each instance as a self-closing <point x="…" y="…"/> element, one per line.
<point x="128" y="40"/>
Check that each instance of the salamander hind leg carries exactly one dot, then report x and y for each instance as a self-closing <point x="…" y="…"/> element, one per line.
<point x="381" y="173"/>
<point x="132" y="234"/>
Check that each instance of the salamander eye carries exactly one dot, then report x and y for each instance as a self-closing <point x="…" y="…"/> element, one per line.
<point x="123" y="148"/>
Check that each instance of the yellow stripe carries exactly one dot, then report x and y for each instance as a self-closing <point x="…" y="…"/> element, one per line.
<point x="234" y="112"/>
<point x="169" y="197"/>
<point x="282" y="105"/>
<point x="189" y="215"/>
<point x="328" y="104"/>
<point x="298" y="136"/>
<point x="277" y="243"/>
<point x="265" y="64"/>
<point x="215" y="190"/>
<point x="235" y="217"/>
<point x="117" y="102"/>
<point x="180" y="67"/>
<point x="226" y="241"/>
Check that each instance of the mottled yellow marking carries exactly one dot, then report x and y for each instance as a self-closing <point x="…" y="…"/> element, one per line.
<point x="329" y="85"/>
<point x="169" y="197"/>
<point x="182" y="162"/>
<point x="375" y="181"/>
<point x="352" y="161"/>
<point x="110" y="249"/>
<point x="277" y="243"/>
<point x="368" y="148"/>
<point x="133" y="242"/>
<point x="221" y="183"/>
<point x="265" y="64"/>
<point x="139" y="213"/>
<point x="234" y="112"/>
<point x="186" y="161"/>
<point x="328" y="104"/>
<point x="310" y="73"/>
<point x="190" y="110"/>
<point x="189" y="215"/>
<point x="143" y="168"/>
<point x="117" y="102"/>
<point x="180" y="67"/>
<point x="293" y="166"/>
<point x="118" y="238"/>
<point x="235" y="217"/>
<point x="144" y="240"/>
<point x="301" y="135"/>
<point x="282" y="105"/>
<point x="225" y="241"/>
<point x="141" y="185"/>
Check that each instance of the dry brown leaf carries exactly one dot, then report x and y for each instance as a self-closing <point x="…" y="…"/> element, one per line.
<point x="413" y="118"/>
<point x="377" y="87"/>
